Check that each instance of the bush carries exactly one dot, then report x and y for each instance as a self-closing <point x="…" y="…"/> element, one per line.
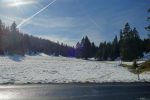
<point x="146" y="65"/>
<point x="135" y="64"/>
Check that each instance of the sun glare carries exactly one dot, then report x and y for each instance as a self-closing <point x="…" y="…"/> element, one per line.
<point x="17" y="3"/>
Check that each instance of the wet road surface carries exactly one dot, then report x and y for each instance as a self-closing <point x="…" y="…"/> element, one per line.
<point x="104" y="91"/>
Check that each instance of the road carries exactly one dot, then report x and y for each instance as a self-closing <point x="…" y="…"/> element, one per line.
<point x="104" y="91"/>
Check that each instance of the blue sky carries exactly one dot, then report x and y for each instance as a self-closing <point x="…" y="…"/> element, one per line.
<point x="69" y="20"/>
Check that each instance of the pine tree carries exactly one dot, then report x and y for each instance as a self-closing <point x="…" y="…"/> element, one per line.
<point x="115" y="49"/>
<point x="147" y="41"/>
<point x="1" y="33"/>
<point x="108" y="50"/>
<point x="137" y="44"/>
<point x="124" y="47"/>
<point x="130" y="44"/>
<point x="15" y="41"/>
<point x="148" y="27"/>
<point x="82" y="48"/>
<point x="146" y="45"/>
<point x="99" y="52"/>
<point x="86" y="47"/>
<point x="78" y="50"/>
<point x="93" y="50"/>
<point x="104" y="51"/>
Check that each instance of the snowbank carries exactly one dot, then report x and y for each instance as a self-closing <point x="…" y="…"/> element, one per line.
<point x="49" y="69"/>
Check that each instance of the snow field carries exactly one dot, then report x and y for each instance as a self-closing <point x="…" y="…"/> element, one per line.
<point x="49" y="69"/>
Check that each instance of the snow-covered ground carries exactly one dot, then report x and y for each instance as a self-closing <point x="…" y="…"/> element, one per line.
<point x="49" y="69"/>
<point x="146" y="56"/>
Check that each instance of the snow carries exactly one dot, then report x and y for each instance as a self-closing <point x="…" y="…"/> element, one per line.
<point x="146" y="56"/>
<point x="42" y="68"/>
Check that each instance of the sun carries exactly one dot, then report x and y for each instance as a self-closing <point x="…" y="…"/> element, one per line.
<point x="17" y="3"/>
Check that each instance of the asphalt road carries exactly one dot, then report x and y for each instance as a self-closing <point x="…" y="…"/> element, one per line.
<point x="105" y="91"/>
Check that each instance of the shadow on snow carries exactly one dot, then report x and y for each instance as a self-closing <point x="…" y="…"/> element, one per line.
<point x="16" y="58"/>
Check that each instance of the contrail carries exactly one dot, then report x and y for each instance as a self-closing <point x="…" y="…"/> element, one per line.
<point x="93" y="21"/>
<point x="29" y="18"/>
<point x="88" y="16"/>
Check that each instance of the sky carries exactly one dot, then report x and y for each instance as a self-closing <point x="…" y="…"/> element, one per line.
<point x="68" y="21"/>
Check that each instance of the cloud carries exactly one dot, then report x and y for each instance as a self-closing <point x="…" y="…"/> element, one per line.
<point x="57" y="22"/>
<point x="68" y="30"/>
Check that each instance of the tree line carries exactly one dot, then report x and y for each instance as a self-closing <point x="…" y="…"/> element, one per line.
<point x="128" y="47"/>
<point x="12" y="41"/>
